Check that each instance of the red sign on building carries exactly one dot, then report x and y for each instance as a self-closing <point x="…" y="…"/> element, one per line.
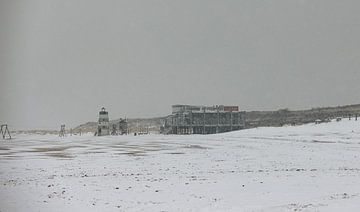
<point x="231" y="108"/>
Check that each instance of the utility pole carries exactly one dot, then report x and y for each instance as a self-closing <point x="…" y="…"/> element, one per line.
<point x="218" y="119"/>
<point x="231" y="120"/>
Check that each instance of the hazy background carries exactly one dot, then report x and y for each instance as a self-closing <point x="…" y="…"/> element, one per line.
<point x="61" y="61"/>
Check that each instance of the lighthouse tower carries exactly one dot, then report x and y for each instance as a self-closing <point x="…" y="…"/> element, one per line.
<point x="103" y="123"/>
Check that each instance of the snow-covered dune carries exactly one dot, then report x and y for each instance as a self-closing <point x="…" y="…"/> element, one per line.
<point x="309" y="168"/>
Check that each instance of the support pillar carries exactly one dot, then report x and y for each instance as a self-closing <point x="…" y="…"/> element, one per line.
<point x="204" y="122"/>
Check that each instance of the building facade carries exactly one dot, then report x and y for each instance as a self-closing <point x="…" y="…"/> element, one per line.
<point x="189" y="119"/>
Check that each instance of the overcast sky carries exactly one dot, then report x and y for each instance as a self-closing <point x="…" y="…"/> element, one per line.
<point x="61" y="61"/>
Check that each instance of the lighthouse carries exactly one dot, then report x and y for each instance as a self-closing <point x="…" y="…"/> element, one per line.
<point x="103" y="123"/>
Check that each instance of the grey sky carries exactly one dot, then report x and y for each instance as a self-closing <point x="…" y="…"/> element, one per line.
<point x="61" y="61"/>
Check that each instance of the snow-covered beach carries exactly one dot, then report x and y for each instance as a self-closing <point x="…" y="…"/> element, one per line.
<point x="313" y="167"/>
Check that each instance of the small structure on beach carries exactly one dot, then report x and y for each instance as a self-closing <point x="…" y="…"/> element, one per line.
<point x="103" y="123"/>
<point x="4" y="130"/>
<point x="318" y="121"/>
<point x="62" y="131"/>
<point x="123" y="127"/>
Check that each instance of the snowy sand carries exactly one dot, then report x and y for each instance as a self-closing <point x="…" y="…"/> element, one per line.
<point x="295" y="168"/>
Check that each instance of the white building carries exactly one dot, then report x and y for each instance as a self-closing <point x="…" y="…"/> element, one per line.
<point x="103" y="123"/>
